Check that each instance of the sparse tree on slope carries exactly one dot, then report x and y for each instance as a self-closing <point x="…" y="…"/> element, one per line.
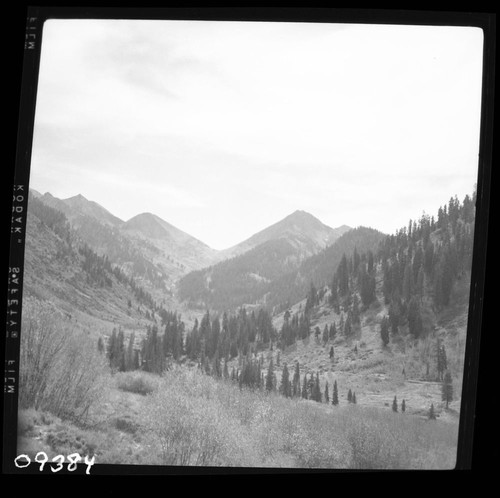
<point x="296" y="381"/>
<point x="415" y="324"/>
<point x="447" y="389"/>
<point x="335" y="394"/>
<point x="304" y="387"/>
<point x="432" y="414"/>
<point x="325" y="334"/>
<point x="285" y="382"/>
<point x="100" y="345"/>
<point x="384" y="331"/>
<point x="269" y="376"/>
<point x="395" y="404"/>
<point x="316" y="390"/>
<point x="442" y="362"/>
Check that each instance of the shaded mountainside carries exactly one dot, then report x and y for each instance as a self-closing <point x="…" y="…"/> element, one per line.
<point x="273" y="273"/>
<point x="240" y="280"/>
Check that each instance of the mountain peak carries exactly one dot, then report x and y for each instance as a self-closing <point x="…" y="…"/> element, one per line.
<point x="302" y="215"/>
<point x="77" y="197"/>
<point x="300" y="228"/>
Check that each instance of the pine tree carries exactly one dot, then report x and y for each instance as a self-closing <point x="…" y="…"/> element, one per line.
<point x="120" y="350"/>
<point x="285" y="382"/>
<point x="447" y="389"/>
<point x="326" y="334"/>
<point x="403" y="406"/>
<point x="112" y="349"/>
<point x="442" y="362"/>
<point x="432" y="414"/>
<point x="317" y="333"/>
<point x="343" y="276"/>
<point x="395" y="404"/>
<point x="349" y="396"/>
<point x="326" y="395"/>
<point x="332" y="354"/>
<point x="370" y="262"/>
<point x="269" y="376"/>
<point x="335" y="394"/>
<point x="333" y="331"/>
<point x="419" y="288"/>
<point x="304" y="387"/>
<point x="395" y="315"/>
<point x="296" y="380"/>
<point x="407" y="283"/>
<point x="415" y="324"/>
<point x="384" y="330"/>
<point x="356" y="320"/>
<point x="100" y="345"/>
<point x="316" y="392"/>
<point x="348" y="325"/>
<point x="129" y="359"/>
<point x="354" y="398"/>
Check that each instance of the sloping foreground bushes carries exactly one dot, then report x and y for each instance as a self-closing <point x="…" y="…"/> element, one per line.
<point x="60" y="369"/>
<point x="193" y="419"/>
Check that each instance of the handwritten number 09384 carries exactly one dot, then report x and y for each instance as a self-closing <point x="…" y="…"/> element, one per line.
<point x="41" y="457"/>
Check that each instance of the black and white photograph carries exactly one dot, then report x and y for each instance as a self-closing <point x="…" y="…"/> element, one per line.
<point x="249" y="244"/>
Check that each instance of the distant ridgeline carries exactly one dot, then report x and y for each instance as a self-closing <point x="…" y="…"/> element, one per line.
<point x="412" y="271"/>
<point x="104" y="238"/>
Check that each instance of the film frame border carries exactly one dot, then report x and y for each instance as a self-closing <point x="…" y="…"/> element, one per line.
<point x="36" y="16"/>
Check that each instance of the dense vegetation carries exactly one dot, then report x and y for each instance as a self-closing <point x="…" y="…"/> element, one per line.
<point x="240" y="280"/>
<point x="273" y="273"/>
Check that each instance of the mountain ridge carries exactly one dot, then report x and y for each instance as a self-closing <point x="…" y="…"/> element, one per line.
<point x="302" y="229"/>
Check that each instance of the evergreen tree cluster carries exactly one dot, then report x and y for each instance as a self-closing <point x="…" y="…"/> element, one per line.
<point x="231" y="335"/>
<point x="425" y="259"/>
<point x="140" y="294"/>
<point x="123" y="355"/>
<point x="98" y="268"/>
<point x="354" y="273"/>
<point x="294" y="328"/>
<point x="153" y="353"/>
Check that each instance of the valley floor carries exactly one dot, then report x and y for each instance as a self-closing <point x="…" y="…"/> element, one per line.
<point x="187" y="418"/>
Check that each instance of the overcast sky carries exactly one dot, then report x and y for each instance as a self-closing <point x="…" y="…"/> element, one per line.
<point x="222" y="128"/>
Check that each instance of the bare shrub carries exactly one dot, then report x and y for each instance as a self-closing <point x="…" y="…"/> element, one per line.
<point x="191" y="426"/>
<point x="194" y="419"/>
<point x="60" y="370"/>
<point x="136" y="382"/>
